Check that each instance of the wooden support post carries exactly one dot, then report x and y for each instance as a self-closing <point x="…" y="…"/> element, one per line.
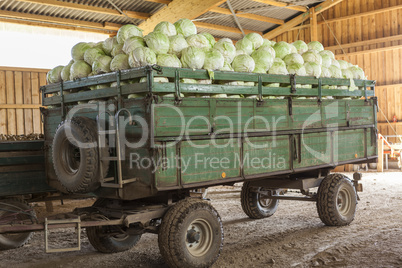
<point x="380" y="162"/>
<point x="49" y="206"/>
<point x="313" y="25"/>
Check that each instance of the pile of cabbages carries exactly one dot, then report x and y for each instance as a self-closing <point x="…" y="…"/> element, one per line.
<point x="179" y="45"/>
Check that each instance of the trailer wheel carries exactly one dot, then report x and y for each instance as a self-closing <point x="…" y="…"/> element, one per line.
<point x="191" y="234"/>
<point x="336" y="200"/>
<point x="14" y="211"/>
<point x="104" y="238"/>
<point x="77" y="167"/>
<point x="256" y="205"/>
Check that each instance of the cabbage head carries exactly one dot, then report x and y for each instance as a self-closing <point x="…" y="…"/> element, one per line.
<point x="198" y="40"/>
<point x="326" y="60"/>
<point x="227" y="49"/>
<point x="176" y="44"/>
<point x="243" y="63"/>
<point x="213" y="60"/>
<point x="293" y="58"/>
<point x="108" y="45"/>
<point x="210" y="39"/>
<point x="282" y="49"/>
<point x="142" y="56"/>
<point x="246" y="45"/>
<point x="297" y="69"/>
<point x="266" y="43"/>
<point x="92" y="54"/>
<point x="335" y="71"/>
<point x="227" y="40"/>
<point x="292" y="48"/>
<point x="336" y="63"/>
<point x="227" y="67"/>
<point x="329" y="53"/>
<point x="188" y="81"/>
<point x="343" y="64"/>
<point x="315" y="45"/>
<point x="101" y="64"/>
<point x="120" y="62"/>
<point x="259" y="70"/>
<point x="132" y="43"/>
<point x="54" y="75"/>
<point x="239" y="52"/>
<point x="300" y="46"/>
<point x="78" y="50"/>
<point x="117" y="49"/>
<point x="325" y="72"/>
<point x="166" y="28"/>
<point x="168" y="60"/>
<point x="279" y="67"/>
<point x="185" y="27"/>
<point x="65" y="73"/>
<point x="313" y="69"/>
<point x="256" y="39"/>
<point x="347" y="74"/>
<point x="312" y="56"/>
<point x="357" y="72"/>
<point x="79" y="69"/>
<point x="192" y="57"/>
<point x="126" y="31"/>
<point x="263" y="59"/>
<point x="158" y="42"/>
<point x="271" y="50"/>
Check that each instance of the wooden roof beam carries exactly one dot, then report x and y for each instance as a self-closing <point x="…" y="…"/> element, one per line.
<point x="243" y="14"/>
<point x="282" y="4"/>
<point x="87" y="8"/>
<point x="299" y="19"/>
<point x="222" y="28"/>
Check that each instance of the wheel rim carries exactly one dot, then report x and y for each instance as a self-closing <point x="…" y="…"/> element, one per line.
<point x="264" y="201"/>
<point x="199" y="237"/>
<point x="343" y="202"/>
<point x="9" y="215"/>
<point x="70" y="155"/>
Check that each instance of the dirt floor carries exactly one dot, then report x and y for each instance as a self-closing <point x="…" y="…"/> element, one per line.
<point x="293" y="237"/>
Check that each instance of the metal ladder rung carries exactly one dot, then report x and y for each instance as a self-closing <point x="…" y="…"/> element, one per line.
<point x="106" y="182"/>
<point x="55" y="222"/>
<point x="104" y="132"/>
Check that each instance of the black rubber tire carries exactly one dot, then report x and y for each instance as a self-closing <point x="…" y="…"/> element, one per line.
<point x="11" y="241"/>
<point x="104" y="243"/>
<point x="336" y="200"/>
<point x="253" y="206"/>
<point x="80" y="175"/>
<point x="172" y="238"/>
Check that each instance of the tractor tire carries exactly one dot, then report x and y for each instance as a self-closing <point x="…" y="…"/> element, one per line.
<point x="255" y="205"/>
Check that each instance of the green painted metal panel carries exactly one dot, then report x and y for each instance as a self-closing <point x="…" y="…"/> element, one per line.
<point x="166" y="172"/>
<point x="24" y="182"/>
<point x="315" y="149"/>
<point x="306" y="114"/>
<point x="21" y="145"/>
<point x="348" y="145"/>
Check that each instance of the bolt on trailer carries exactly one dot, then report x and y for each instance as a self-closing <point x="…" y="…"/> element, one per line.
<point x="142" y="147"/>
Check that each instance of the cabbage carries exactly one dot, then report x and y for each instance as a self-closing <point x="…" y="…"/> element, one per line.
<point x="132" y="43"/>
<point x="328" y="53"/>
<point x="166" y="28"/>
<point x="266" y="43"/>
<point x="293" y="58"/>
<point x="79" y="69"/>
<point x="312" y="69"/>
<point x="326" y="60"/>
<point x="227" y="40"/>
<point x="246" y="45"/>
<point x="256" y="39"/>
<point x="54" y="75"/>
<point x="325" y="72"/>
<point x="282" y="49"/>
<point x="188" y="81"/>
<point x="300" y="46"/>
<point x="108" y="45"/>
<point x="347" y="74"/>
<point x="185" y="27"/>
<point x="213" y="60"/>
<point x="234" y="97"/>
<point x="343" y="64"/>
<point x="142" y="56"/>
<point x="260" y="70"/>
<point x="263" y="59"/>
<point x="117" y="49"/>
<point x="220" y="95"/>
<point x="357" y="72"/>
<point x="168" y="60"/>
<point x="235" y="83"/>
<point x="279" y="67"/>
<point x="227" y="49"/>
<point x="127" y="31"/>
<point x="249" y="83"/>
<point x="192" y="57"/>
<point x="240" y="51"/>
<point x="315" y="45"/>
<point x="198" y="40"/>
<point x="336" y="63"/>
<point x="120" y="62"/>
<point x="243" y="63"/>
<point x="100" y="86"/>
<point x="157" y="79"/>
<point x="205" y="81"/>
<point x="297" y="69"/>
<point x="136" y="95"/>
<point x="227" y="67"/>
<point x="269" y="49"/>
<point x="92" y="54"/>
<point x="335" y="71"/>
<point x="312" y="56"/>
<point x="158" y="42"/>
<point x="101" y="64"/>
<point x="292" y="49"/>
<point x="176" y="44"/>
<point x="77" y="51"/>
<point x="65" y="73"/>
<point x="210" y="39"/>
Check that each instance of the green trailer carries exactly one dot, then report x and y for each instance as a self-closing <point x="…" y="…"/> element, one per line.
<point x="142" y="146"/>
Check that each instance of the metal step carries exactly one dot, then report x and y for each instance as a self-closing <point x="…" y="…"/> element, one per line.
<point x="65" y="221"/>
<point x="104" y="132"/>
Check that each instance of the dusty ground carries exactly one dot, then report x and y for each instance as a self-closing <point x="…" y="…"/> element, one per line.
<point x="293" y="237"/>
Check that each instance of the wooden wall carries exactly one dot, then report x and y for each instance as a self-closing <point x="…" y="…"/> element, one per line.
<point x="20" y="100"/>
<point x="370" y="35"/>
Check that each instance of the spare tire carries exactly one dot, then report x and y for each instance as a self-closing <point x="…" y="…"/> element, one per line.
<point x="76" y="156"/>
